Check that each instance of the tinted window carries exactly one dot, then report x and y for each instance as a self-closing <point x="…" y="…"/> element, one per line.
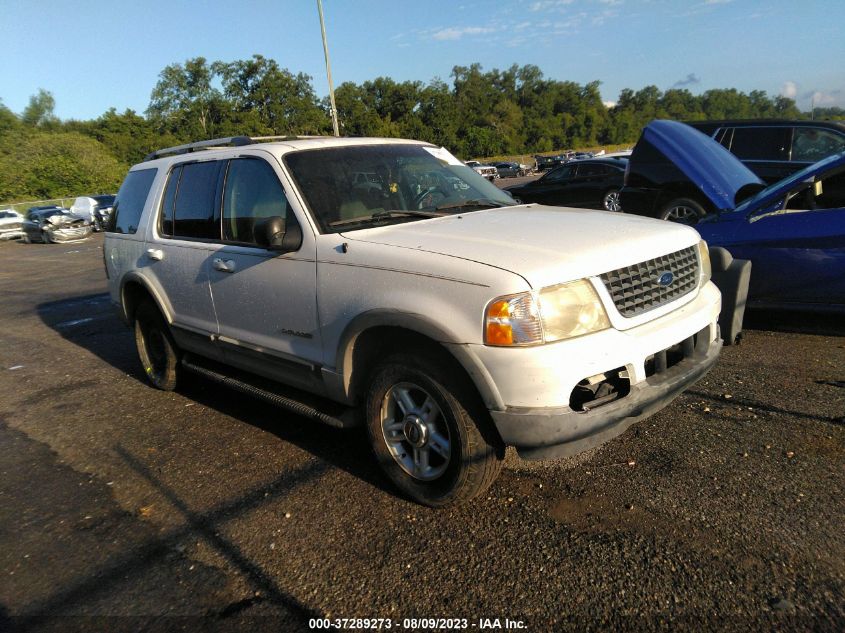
<point x="760" y="143"/>
<point x="591" y="170"/>
<point x="562" y="173"/>
<point x="194" y="210"/>
<point x="253" y="192"/>
<point x="812" y="144"/>
<point x="130" y="201"/>
<point x="165" y="226"/>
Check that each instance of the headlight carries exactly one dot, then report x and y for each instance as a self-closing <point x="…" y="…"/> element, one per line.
<point x="513" y="320"/>
<point x="555" y="313"/>
<point x="704" y="259"/>
<point x="571" y="310"/>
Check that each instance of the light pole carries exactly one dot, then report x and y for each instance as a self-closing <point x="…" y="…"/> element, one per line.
<point x="328" y="69"/>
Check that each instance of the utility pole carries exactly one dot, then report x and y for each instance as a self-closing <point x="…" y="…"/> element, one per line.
<point x="328" y="69"/>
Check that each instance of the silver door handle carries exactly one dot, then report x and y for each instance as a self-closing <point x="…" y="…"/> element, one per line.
<point x="155" y="254"/>
<point x="224" y="265"/>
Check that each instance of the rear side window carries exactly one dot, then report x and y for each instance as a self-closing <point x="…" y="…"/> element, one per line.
<point x="189" y="208"/>
<point x="761" y="143"/>
<point x="561" y="173"/>
<point x="812" y="144"/>
<point x="591" y="170"/>
<point x="253" y="192"/>
<point x="130" y="201"/>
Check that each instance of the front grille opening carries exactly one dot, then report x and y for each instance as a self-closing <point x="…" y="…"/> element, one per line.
<point x="671" y="356"/>
<point x="595" y="391"/>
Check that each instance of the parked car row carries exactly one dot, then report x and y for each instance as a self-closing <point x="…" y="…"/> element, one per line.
<point x="590" y="184"/>
<point x="545" y="163"/>
<point x="487" y="171"/>
<point x="52" y="223"/>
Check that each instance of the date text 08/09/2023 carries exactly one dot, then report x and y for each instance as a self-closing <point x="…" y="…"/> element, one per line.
<point x="414" y="624"/>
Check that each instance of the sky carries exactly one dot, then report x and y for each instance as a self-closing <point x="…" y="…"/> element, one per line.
<point x="93" y="55"/>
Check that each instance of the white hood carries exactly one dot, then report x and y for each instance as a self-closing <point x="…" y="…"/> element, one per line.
<point x="544" y="245"/>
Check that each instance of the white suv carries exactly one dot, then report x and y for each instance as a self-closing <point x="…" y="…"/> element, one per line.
<point x="452" y="320"/>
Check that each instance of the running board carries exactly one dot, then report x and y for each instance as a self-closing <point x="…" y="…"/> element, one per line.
<point x="345" y="420"/>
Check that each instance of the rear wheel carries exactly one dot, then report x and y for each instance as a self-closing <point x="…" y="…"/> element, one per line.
<point x="46" y="236"/>
<point x="157" y="350"/>
<point x="683" y="210"/>
<point x="429" y="431"/>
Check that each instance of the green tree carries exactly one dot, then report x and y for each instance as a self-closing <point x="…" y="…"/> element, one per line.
<point x="39" y="111"/>
<point x="281" y="102"/>
<point x="184" y="102"/>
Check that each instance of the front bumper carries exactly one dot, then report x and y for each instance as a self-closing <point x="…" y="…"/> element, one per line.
<point x="547" y="433"/>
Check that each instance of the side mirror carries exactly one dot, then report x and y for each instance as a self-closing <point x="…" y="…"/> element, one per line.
<point x="277" y="235"/>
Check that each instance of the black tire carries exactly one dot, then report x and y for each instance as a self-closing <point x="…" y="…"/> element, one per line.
<point x="683" y="210"/>
<point x="475" y="452"/>
<point x="610" y="201"/>
<point x="46" y="237"/>
<point x="157" y="351"/>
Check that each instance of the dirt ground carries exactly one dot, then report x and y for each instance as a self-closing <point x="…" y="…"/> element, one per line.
<point x="127" y="508"/>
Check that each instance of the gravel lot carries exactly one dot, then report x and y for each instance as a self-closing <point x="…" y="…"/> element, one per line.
<point x="120" y="504"/>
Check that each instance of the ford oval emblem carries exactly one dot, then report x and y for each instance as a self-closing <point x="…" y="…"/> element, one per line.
<point x="665" y="278"/>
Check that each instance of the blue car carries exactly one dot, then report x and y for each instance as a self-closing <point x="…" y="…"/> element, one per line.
<point x="793" y="231"/>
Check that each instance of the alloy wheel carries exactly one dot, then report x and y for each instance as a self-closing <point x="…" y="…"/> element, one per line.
<point x="415" y="431"/>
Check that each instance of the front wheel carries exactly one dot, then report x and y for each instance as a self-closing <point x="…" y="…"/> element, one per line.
<point x="157" y="350"/>
<point x="683" y="210"/>
<point x="610" y="201"/>
<point x="429" y="431"/>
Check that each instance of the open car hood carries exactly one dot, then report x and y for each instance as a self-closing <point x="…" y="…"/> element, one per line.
<point x="709" y="166"/>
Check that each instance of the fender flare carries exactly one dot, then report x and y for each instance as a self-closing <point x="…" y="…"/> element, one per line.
<point x="161" y="304"/>
<point x="420" y="324"/>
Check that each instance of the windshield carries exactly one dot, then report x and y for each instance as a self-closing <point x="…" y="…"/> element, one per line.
<point x="758" y="203"/>
<point x="355" y="187"/>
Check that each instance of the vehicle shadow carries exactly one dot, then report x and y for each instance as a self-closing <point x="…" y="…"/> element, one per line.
<point x="90" y="322"/>
<point x="164" y="547"/>
<point x="794" y="322"/>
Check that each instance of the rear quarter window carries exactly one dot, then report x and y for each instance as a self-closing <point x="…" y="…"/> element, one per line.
<point x="130" y="201"/>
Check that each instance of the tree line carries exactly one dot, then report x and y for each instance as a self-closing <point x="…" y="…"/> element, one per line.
<point x="476" y="113"/>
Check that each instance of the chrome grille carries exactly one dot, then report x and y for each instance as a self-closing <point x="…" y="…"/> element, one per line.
<point x="635" y="289"/>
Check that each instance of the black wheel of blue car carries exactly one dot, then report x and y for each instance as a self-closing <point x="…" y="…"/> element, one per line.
<point x="682" y="210"/>
<point x="46" y="236"/>
<point x="157" y="350"/>
<point x="429" y="431"/>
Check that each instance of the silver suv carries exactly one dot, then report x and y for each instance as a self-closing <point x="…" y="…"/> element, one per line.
<point x="420" y="299"/>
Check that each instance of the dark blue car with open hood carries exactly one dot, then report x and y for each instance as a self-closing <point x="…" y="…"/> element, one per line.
<point x="793" y="231"/>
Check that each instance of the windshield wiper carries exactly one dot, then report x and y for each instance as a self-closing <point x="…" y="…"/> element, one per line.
<point x="480" y="203"/>
<point x="379" y="216"/>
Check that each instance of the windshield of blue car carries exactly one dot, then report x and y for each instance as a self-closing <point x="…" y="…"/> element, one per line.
<point x="759" y="203"/>
<point x="356" y="187"/>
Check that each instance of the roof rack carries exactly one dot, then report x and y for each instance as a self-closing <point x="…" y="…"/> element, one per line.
<point x="234" y="141"/>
